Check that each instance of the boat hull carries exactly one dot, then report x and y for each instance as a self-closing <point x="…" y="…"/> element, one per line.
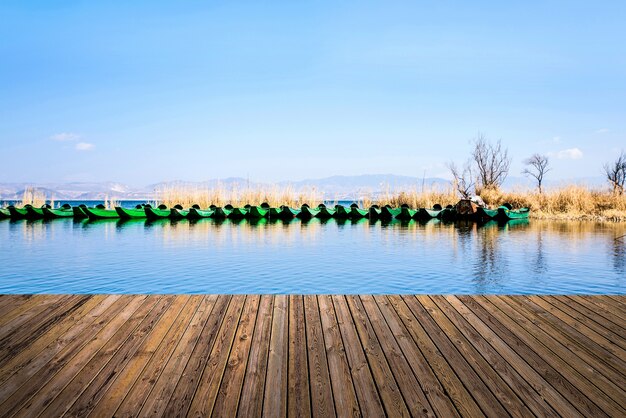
<point x="95" y="213"/>
<point x="199" y="213"/>
<point x="4" y="213"/>
<point x="57" y="213"/>
<point x="153" y="213"/>
<point x="513" y="214"/>
<point x="126" y="213"/>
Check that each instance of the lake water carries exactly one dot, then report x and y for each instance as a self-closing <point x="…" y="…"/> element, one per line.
<point x="207" y="256"/>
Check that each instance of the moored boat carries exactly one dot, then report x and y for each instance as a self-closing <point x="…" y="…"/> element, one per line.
<point x="78" y="211"/>
<point x="257" y="212"/>
<point x="307" y="212"/>
<point x="406" y="213"/>
<point x="138" y="212"/>
<point x="35" y="213"/>
<point x="486" y="213"/>
<point x="100" y="212"/>
<point x="18" y="213"/>
<point x="288" y="212"/>
<point x="387" y="212"/>
<point x="341" y="212"/>
<point x="238" y="213"/>
<point x="178" y="212"/>
<point x="510" y="214"/>
<point x="374" y="212"/>
<point x="325" y="212"/>
<point x="64" y="211"/>
<point x="223" y="212"/>
<point x="160" y="212"/>
<point x="434" y="212"/>
<point x="201" y="213"/>
<point x="4" y="213"/>
<point x="356" y="212"/>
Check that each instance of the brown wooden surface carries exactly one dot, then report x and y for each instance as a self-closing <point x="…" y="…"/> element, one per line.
<point x="320" y="356"/>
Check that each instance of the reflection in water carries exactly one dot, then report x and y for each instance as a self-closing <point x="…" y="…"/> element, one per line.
<point x="314" y="256"/>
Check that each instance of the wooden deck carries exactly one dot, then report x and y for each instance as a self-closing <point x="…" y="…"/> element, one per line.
<point x="250" y="355"/>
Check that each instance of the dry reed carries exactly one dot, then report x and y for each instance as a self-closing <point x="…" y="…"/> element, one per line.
<point x="33" y="197"/>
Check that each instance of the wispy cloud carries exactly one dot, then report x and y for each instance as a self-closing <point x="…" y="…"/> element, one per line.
<point x="84" y="146"/>
<point x="603" y="131"/>
<point x="65" y="136"/>
<point x="569" y="154"/>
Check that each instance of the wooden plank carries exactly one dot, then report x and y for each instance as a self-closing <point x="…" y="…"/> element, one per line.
<point x="38" y="325"/>
<point x="206" y="393"/>
<point x="122" y="384"/>
<point x="142" y="386"/>
<point x="366" y="309"/>
<point x="19" y="360"/>
<point x="298" y="400"/>
<point x="552" y="341"/>
<point x="229" y="392"/>
<point x="616" y="309"/>
<point x="580" y="323"/>
<point x="166" y="383"/>
<point x="19" y="317"/>
<point x="275" y="397"/>
<point x="72" y="387"/>
<point x="487" y="401"/>
<point x="548" y="365"/>
<point x="21" y="386"/>
<point x="594" y="318"/>
<point x="96" y="389"/>
<point x="11" y="302"/>
<point x="343" y="390"/>
<point x="530" y="386"/>
<point x="395" y="331"/>
<point x="454" y="388"/>
<point x="612" y="368"/>
<point x="607" y="318"/>
<point x="187" y="384"/>
<point x="251" y="399"/>
<point x="46" y="393"/>
<point x="321" y="390"/>
<point x="365" y="387"/>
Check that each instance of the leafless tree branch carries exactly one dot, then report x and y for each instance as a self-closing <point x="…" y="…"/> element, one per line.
<point x="537" y="168"/>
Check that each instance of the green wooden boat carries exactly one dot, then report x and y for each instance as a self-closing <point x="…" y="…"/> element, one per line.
<point x="406" y="213"/>
<point x="374" y="212"/>
<point x="177" y="212"/>
<point x="306" y="212"/>
<point x="341" y="212"/>
<point x="4" y="213"/>
<point x="325" y="212"/>
<point x="161" y="212"/>
<point x="434" y="212"/>
<point x="387" y="212"/>
<point x="504" y="213"/>
<point x="238" y="213"/>
<point x="138" y="212"/>
<point x="256" y="212"/>
<point x="18" y="213"/>
<point x="78" y="212"/>
<point x="289" y="213"/>
<point x="64" y="211"/>
<point x="197" y="213"/>
<point x="35" y="213"/>
<point x="221" y="213"/>
<point x="100" y="212"/>
<point x="486" y="213"/>
<point x="357" y="213"/>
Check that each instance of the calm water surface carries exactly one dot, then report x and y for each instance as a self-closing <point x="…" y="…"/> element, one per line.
<point x="67" y="256"/>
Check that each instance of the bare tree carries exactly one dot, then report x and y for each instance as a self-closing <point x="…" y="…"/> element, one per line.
<point x="492" y="162"/>
<point x="463" y="179"/>
<point x="537" y="168"/>
<point x="616" y="173"/>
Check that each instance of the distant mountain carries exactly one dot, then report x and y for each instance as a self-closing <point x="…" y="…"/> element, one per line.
<point x="334" y="187"/>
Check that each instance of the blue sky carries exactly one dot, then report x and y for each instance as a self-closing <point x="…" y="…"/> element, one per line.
<point x="192" y="90"/>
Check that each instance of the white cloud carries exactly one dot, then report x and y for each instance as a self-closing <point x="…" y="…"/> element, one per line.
<point x="65" y="136"/>
<point x="570" y="154"/>
<point x="84" y="146"/>
<point x="603" y="131"/>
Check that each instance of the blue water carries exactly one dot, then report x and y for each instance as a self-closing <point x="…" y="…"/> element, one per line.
<point x="67" y="256"/>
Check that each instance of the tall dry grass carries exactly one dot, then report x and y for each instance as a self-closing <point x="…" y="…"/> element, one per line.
<point x="33" y="197"/>
<point x="187" y="196"/>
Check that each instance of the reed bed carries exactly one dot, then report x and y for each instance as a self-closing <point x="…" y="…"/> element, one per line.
<point x="33" y="197"/>
<point x="566" y="203"/>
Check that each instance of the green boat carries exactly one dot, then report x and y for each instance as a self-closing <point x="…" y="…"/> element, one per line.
<point x="35" y="213"/>
<point x="201" y="213"/>
<point x="406" y="213"/>
<point x="504" y="213"/>
<point x="257" y="212"/>
<point x="177" y="212"/>
<point x="18" y="213"/>
<point x="374" y="212"/>
<point x="64" y="211"/>
<point x="341" y="212"/>
<point x="306" y="212"/>
<point x="434" y="212"/>
<point x="357" y="213"/>
<point x="221" y="213"/>
<point x="161" y="212"/>
<point x="100" y="212"/>
<point x="4" y="213"/>
<point x="78" y="212"/>
<point x="138" y="212"/>
<point x="325" y="212"/>
<point x="387" y="212"/>
<point x="239" y="213"/>
<point x="486" y="213"/>
<point x="289" y="213"/>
